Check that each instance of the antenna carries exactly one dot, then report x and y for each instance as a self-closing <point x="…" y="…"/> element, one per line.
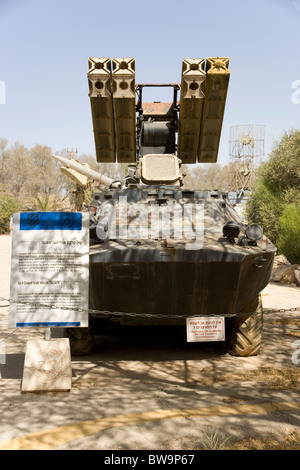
<point x="246" y="149"/>
<point x="71" y="152"/>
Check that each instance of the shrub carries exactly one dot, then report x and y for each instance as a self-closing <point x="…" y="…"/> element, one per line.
<point x="275" y="198"/>
<point x="289" y="233"/>
<point x="8" y="206"/>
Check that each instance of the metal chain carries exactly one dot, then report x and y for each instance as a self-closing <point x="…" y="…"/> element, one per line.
<point x="145" y="315"/>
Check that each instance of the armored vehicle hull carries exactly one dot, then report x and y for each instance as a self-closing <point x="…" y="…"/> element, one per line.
<point x="167" y="282"/>
<point x="208" y="270"/>
<point x="165" y="277"/>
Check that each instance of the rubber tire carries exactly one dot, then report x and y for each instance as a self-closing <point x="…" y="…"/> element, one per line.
<point x="82" y="340"/>
<point x="246" y="330"/>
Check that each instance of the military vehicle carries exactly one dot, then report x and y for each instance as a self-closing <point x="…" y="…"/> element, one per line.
<point x="161" y="253"/>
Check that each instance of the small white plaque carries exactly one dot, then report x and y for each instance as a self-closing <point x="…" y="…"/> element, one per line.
<point x="205" y="329"/>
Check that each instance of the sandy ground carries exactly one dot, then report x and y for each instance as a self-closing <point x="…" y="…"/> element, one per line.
<point x="144" y="391"/>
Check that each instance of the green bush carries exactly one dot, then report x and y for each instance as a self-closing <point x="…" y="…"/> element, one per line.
<point x="8" y="206"/>
<point x="264" y="208"/>
<point x="289" y="234"/>
<point x="275" y="198"/>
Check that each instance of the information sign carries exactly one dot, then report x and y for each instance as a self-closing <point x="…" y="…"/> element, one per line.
<point x="49" y="269"/>
<point x="205" y="329"/>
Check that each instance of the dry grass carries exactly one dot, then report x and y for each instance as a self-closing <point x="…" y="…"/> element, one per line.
<point x="285" y="321"/>
<point x="284" y="442"/>
<point x="288" y="322"/>
<point x="265" y="377"/>
<point x="215" y="439"/>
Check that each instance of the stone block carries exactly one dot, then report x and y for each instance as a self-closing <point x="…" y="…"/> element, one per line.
<point x="47" y="365"/>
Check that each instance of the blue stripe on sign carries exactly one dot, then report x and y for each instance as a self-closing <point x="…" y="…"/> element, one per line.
<point x="50" y="221"/>
<point x="49" y="323"/>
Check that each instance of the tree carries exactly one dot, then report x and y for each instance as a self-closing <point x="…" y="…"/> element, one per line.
<point x="8" y="206"/>
<point x="207" y="177"/>
<point x="29" y="172"/>
<point x="43" y="172"/>
<point x="15" y="169"/>
<point x="48" y="202"/>
<point x="275" y="200"/>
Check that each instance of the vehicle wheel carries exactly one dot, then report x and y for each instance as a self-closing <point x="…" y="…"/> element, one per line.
<point x="82" y="340"/>
<point x="246" y="330"/>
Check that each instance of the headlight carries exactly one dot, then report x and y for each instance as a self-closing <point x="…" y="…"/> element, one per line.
<point x="231" y="230"/>
<point x="254" y="232"/>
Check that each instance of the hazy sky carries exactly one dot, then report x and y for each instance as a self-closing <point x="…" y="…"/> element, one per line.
<point x="45" y="45"/>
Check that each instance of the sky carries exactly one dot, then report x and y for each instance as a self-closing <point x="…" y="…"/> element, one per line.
<point x="45" y="46"/>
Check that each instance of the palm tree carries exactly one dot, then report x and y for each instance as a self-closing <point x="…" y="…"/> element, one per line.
<point x="48" y="202"/>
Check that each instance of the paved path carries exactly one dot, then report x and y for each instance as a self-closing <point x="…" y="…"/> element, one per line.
<point x="145" y="392"/>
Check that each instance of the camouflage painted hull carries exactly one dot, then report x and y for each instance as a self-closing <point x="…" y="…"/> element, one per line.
<point x="164" y="277"/>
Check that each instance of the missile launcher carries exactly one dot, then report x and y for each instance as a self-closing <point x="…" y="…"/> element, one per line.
<point x="161" y="253"/>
